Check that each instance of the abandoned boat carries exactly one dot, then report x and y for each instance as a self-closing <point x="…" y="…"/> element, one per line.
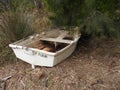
<point x="45" y="49"/>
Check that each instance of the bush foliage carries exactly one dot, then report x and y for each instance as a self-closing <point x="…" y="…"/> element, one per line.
<point x="97" y="17"/>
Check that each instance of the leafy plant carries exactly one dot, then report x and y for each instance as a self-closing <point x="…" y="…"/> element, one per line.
<point x="99" y="25"/>
<point x="64" y="12"/>
<point x="96" y="17"/>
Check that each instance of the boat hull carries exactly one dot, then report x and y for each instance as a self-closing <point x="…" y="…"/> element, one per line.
<point x="37" y="57"/>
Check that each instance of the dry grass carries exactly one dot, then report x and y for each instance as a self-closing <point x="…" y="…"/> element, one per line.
<point x="41" y="21"/>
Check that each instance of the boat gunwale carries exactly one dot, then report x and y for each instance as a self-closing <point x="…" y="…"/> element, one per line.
<point x="16" y="45"/>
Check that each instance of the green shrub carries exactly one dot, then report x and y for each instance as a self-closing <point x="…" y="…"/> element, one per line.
<point x="64" y="12"/>
<point x="99" y="25"/>
<point x="96" y="17"/>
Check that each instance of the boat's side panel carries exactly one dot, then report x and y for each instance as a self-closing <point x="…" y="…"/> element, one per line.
<point x="34" y="58"/>
<point x="41" y="58"/>
<point x="65" y="53"/>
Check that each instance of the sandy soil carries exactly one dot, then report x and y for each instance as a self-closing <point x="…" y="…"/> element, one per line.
<point x="90" y="67"/>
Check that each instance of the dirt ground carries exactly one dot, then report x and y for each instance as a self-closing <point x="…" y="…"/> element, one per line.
<point x="90" y="67"/>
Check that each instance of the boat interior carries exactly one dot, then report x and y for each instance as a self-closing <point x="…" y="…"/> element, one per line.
<point x="51" y="41"/>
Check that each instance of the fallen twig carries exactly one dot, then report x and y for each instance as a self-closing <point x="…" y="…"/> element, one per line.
<point x="5" y="79"/>
<point x="22" y="83"/>
<point x="3" y="82"/>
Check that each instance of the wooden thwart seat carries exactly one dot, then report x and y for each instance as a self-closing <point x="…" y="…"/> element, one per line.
<point x="56" y="40"/>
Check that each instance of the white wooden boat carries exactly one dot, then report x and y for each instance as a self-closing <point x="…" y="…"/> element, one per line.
<point x="46" y="49"/>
